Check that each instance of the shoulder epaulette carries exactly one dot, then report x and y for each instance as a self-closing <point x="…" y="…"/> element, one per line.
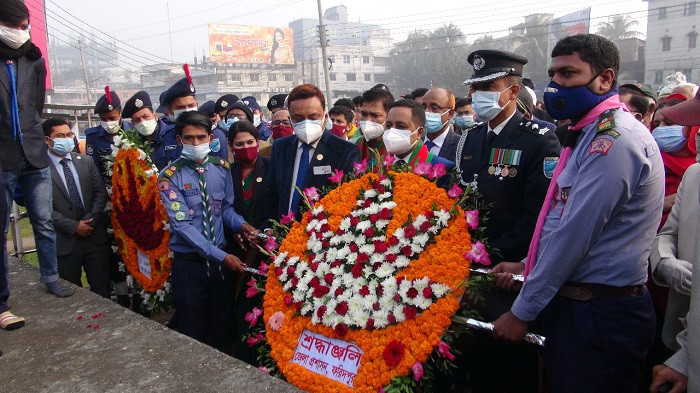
<point x="606" y="123"/>
<point x="218" y="161"/>
<point x="533" y="127"/>
<point x="92" y="130"/>
<point x="172" y="169"/>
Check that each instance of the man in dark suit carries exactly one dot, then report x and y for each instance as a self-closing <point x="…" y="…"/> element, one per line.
<point x="307" y="158"/>
<point x="79" y="198"/>
<point x="22" y="149"/>
<point x="514" y="159"/>
<point x="439" y="107"/>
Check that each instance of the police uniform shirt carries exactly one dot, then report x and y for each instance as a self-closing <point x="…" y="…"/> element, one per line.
<point x="182" y="198"/>
<point x="98" y="145"/>
<point x="604" y="216"/>
<point x="165" y="147"/>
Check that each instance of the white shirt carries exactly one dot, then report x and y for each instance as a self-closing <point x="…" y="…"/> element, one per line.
<point x="497" y="130"/>
<point x="296" y="166"/>
<point x="56" y="160"/>
<point x="439" y="141"/>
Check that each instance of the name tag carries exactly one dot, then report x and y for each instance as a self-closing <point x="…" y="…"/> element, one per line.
<point x="171" y="147"/>
<point x="322" y="170"/>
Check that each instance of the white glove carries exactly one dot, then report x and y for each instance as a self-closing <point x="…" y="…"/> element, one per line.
<point x="677" y="273"/>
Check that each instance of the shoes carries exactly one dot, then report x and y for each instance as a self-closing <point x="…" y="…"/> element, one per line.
<point x="59" y="289"/>
<point x="9" y="321"/>
<point x="124" y="301"/>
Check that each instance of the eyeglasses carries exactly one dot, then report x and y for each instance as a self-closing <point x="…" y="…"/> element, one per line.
<point x="435" y="108"/>
<point x="285" y="122"/>
<point x="68" y="135"/>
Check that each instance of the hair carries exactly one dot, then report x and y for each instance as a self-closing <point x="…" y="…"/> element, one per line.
<point x="513" y="80"/>
<point x="374" y="95"/>
<point x="275" y="45"/>
<point x="357" y="101"/>
<point x="345" y="102"/>
<point x="640" y="103"/>
<point x="599" y="52"/>
<point x="242" y="126"/>
<point x="192" y="118"/>
<point x="342" y="110"/>
<point x="528" y="82"/>
<point x="670" y="102"/>
<point x="417" y="112"/>
<point x="13" y="11"/>
<point x="52" y="122"/>
<point x="463" y="102"/>
<point x="302" y="92"/>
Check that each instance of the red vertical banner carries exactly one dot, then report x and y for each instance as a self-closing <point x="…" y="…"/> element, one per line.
<point x="37" y="18"/>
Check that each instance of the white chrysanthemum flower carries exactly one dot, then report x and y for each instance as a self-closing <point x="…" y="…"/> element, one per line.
<point x="422" y="302"/>
<point x="416" y="248"/>
<point x="360" y="240"/>
<point x="367" y="249"/>
<point x="372" y="209"/>
<point x="370" y="194"/>
<point x="402" y="261"/>
<point x="342" y="253"/>
<point x="442" y="217"/>
<point x="306" y="308"/>
<point x="348" y="237"/>
<point x="381" y="224"/>
<point x="399" y="234"/>
<point x="323" y="268"/>
<point x="385" y="270"/>
<point x="421" y="283"/>
<point x="345" y="224"/>
<point x="384" y="196"/>
<point x="298" y="296"/>
<point x="398" y="313"/>
<point x="287" y="285"/>
<point x="420" y="219"/>
<point x="439" y="290"/>
<point x="317" y="210"/>
<point x="386" y="182"/>
<point x="363" y="225"/>
<point x="149" y="172"/>
<point x="374" y="258"/>
<point x="311" y="225"/>
<point x="422" y="239"/>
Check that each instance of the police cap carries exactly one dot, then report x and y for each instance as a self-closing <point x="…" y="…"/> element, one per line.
<point x="181" y="88"/>
<point x="224" y="102"/>
<point x="493" y="64"/>
<point x="276" y="101"/>
<point x="207" y="108"/>
<point x="251" y="103"/>
<point x="137" y="102"/>
<point x="108" y="102"/>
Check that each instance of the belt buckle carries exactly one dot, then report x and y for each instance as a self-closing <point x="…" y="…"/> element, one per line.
<point x="576" y="293"/>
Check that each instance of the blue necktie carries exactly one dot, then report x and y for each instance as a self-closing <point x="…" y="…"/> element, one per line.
<point x="301" y="176"/>
<point x="73" y="191"/>
<point x="14" y="106"/>
<point x="430" y="144"/>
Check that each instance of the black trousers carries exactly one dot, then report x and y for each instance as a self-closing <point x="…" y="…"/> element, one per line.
<point x="94" y="258"/>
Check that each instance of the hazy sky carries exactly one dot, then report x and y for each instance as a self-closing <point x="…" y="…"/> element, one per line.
<point x="143" y="28"/>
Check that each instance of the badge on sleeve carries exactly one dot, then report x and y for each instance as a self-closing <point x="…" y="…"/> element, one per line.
<point x="600" y="145"/>
<point x="215" y="145"/>
<point x="175" y="205"/>
<point x="180" y="216"/>
<point x="548" y="166"/>
<point x="172" y="196"/>
<point x="163" y="185"/>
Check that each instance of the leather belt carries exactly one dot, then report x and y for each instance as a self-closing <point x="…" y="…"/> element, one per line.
<point x="190" y="257"/>
<point x="586" y="291"/>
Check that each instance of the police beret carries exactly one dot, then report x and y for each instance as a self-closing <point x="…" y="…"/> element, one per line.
<point x="181" y="88"/>
<point x="251" y="102"/>
<point x="493" y="64"/>
<point x="276" y="101"/>
<point x="224" y="102"/>
<point x="240" y="105"/>
<point x="381" y="86"/>
<point x="108" y="102"/>
<point x="419" y="92"/>
<point x="207" y="108"/>
<point x="137" y="102"/>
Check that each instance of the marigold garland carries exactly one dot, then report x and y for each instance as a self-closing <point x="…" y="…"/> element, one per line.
<point x="441" y="261"/>
<point x="139" y="218"/>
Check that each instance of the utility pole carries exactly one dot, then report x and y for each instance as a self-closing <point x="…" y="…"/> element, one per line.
<point x="324" y="45"/>
<point x="85" y="78"/>
<point x="170" y="33"/>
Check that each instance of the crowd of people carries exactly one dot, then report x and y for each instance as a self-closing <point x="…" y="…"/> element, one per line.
<point x="593" y="193"/>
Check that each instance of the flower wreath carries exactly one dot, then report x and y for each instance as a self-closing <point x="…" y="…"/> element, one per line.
<point x="379" y="262"/>
<point x="138" y="216"/>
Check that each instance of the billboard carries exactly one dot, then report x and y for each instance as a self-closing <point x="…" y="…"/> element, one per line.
<point x="38" y="32"/>
<point x="578" y="22"/>
<point x="250" y="44"/>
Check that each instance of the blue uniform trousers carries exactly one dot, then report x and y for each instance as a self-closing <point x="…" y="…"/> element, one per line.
<point x="204" y="302"/>
<point x="597" y="345"/>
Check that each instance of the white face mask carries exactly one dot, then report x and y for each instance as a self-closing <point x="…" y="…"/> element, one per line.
<point x="256" y="120"/>
<point x="111" y="127"/>
<point x="371" y="130"/>
<point x="147" y="127"/>
<point x="14" y="38"/>
<point x="178" y="112"/>
<point x="398" y="141"/>
<point x="196" y="153"/>
<point x="308" y="131"/>
<point x="485" y="104"/>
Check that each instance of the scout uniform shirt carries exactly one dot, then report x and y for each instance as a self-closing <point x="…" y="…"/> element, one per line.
<point x="604" y="214"/>
<point x="186" y="198"/>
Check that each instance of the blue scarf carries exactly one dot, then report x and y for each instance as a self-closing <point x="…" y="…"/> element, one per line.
<point x="14" y="110"/>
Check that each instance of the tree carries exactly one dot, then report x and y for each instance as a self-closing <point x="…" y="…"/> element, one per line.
<point x="619" y="27"/>
<point x="531" y="41"/>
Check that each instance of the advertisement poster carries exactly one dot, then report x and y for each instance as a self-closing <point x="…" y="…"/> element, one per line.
<point x="250" y="44"/>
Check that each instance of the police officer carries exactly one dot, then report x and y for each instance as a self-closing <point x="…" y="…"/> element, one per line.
<point x="513" y="160"/>
<point x="224" y="103"/>
<point x="276" y="103"/>
<point x="219" y="145"/>
<point x="589" y="258"/>
<point x="258" y="118"/>
<point x="197" y="192"/>
<point x="98" y="139"/>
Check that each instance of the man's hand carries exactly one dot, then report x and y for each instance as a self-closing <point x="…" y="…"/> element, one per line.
<point x="84" y="229"/>
<point x="250" y="233"/>
<point x="664" y="374"/>
<point x="239" y="239"/>
<point x="233" y="263"/>
<point x="504" y="275"/>
<point x="677" y="273"/>
<point x="509" y="328"/>
<point x="669" y="200"/>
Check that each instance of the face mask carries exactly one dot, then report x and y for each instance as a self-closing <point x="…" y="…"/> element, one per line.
<point x="146" y="127"/>
<point x="245" y="154"/>
<point x="669" y="138"/>
<point x="464" y="122"/>
<point x="226" y="124"/>
<point x="338" y="130"/>
<point x="433" y="122"/>
<point x="308" y="131"/>
<point x="63" y="146"/>
<point x="371" y="130"/>
<point x="281" y="131"/>
<point x="256" y="120"/>
<point x="195" y="153"/>
<point x="111" y="127"/>
<point x="178" y="112"/>
<point x="572" y="102"/>
<point x="398" y="141"/>
<point x="14" y="38"/>
<point x="485" y="104"/>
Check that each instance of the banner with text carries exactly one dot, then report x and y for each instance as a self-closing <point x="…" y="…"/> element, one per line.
<point x="330" y="357"/>
<point x="250" y="44"/>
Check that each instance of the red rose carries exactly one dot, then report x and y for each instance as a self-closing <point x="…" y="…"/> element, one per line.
<point x="410" y="312"/>
<point x="339" y="291"/>
<point x="340" y="329"/>
<point x="325" y="227"/>
<point x="373" y="218"/>
<point x="328" y="278"/>
<point x="354" y="221"/>
<point x="376" y="306"/>
<point x="314" y="282"/>
<point x="397" y="297"/>
<point x="353" y="247"/>
<point x="278" y="271"/>
<point x="391" y="258"/>
<point x="384" y="214"/>
<point x="412" y="293"/>
<point x="391" y="318"/>
<point x="295" y="281"/>
<point x="288" y="300"/>
<point x="430" y="214"/>
<point x="325" y="244"/>
<point x="362" y="258"/>
<point x="320" y="291"/>
<point x="335" y="264"/>
<point x="409" y="231"/>
<point x="356" y="270"/>
<point x="341" y="308"/>
<point x="291" y="270"/>
<point x="321" y="310"/>
<point x="340" y="232"/>
<point x="364" y="291"/>
<point x="380" y="290"/>
<point x="321" y="216"/>
<point x="393" y="241"/>
<point x="393" y="353"/>
<point x="407" y="251"/>
<point x="369" y="232"/>
<point x="380" y="247"/>
<point x="299" y="305"/>
<point x="376" y="266"/>
<point x="370" y="324"/>
<point x="367" y="203"/>
<point x="425" y="226"/>
<point x="314" y="266"/>
<point x="427" y="292"/>
<point x="399" y="280"/>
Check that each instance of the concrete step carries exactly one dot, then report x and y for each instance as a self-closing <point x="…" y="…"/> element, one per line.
<point x="57" y="352"/>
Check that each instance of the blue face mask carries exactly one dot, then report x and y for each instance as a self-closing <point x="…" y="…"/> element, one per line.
<point x="63" y="146"/>
<point x="464" y="122"/>
<point x="572" y="102"/>
<point x="669" y="138"/>
<point x="226" y="124"/>
<point x="433" y="122"/>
